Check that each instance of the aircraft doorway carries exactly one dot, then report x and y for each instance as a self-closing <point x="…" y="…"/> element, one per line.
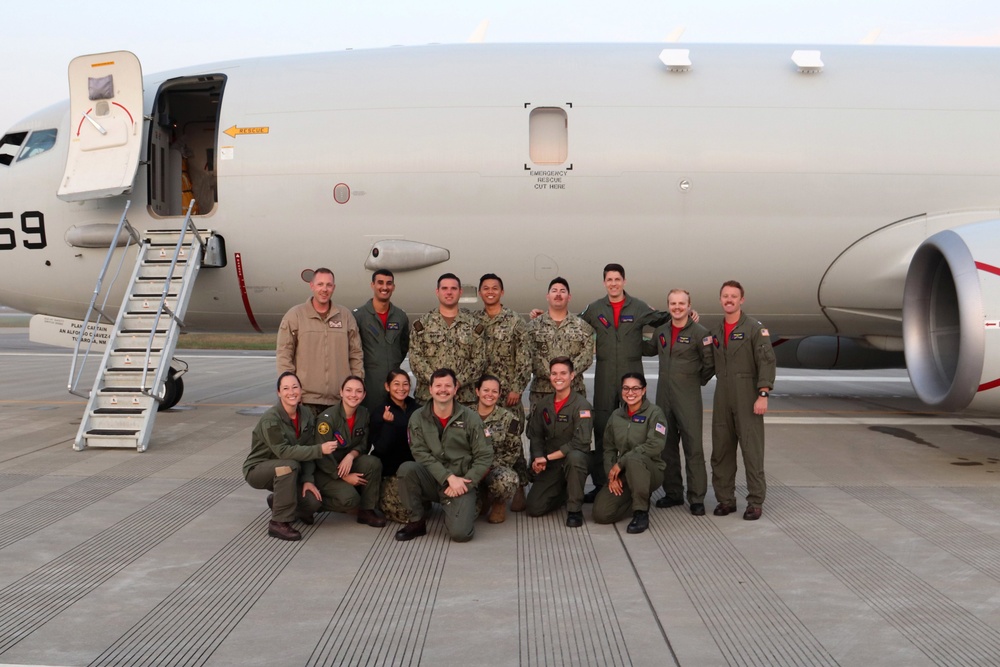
<point x="183" y="145"/>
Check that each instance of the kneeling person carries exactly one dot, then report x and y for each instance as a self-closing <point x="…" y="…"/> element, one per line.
<point x="283" y="440"/>
<point x="633" y="448"/>
<point x="347" y="479"/>
<point x="451" y="457"/>
<point x="560" y="431"/>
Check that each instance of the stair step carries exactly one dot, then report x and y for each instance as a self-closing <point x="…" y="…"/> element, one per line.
<point x="118" y="411"/>
<point x="112" y="432"/>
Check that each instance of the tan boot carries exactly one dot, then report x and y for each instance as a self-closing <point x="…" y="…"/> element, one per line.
<point x="517" y="503"/>
<point x="498" y="512"/>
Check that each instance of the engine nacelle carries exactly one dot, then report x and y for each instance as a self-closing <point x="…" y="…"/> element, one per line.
<point x="951" y="318"/>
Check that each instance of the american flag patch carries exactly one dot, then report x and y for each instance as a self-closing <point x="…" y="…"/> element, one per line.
<point x="584" y="414"/>
<point x="486" y="431"/>
<point x="764" y="332"/>
<point x="661" y="429"/>
<point x="707" y="340"/>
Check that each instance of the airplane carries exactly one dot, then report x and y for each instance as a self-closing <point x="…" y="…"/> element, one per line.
<point x="854" y="190"/>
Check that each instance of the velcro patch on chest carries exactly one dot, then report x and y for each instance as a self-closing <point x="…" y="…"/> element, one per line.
<point x="737" y="335"/>
<point x="684" y="339"/>
<point x="562" y="419"/>
<point x="627" y="319"/>
<point x="392" y="326"/>
<point x="358" y="432"/>
<point x="418" y="326"/>
<point x="546" y="417"/>
<point x="663" y="341"/>
<point x="603" y="320"/>
<point x="339" y="437"/>
<point x="639" y="419"/>
<point x="458" y="423"/>
<point x="336" y="324"/>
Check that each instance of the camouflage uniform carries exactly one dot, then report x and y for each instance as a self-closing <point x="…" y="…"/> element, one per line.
<point x="571" y="338"/>
<point x="460" y="347"/>
<point x="508" y="355"/>
<point x="390" y="503"/>
<point x="509" y="470"/>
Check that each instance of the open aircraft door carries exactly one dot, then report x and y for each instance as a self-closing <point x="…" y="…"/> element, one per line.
<point x="105" y="98"/>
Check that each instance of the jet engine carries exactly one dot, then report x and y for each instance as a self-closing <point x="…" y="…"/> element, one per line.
<point x="951" y="318"/>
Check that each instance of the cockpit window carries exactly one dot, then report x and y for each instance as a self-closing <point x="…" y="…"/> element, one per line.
<point x="39" y="142"/>
<point x="10" y="145"/>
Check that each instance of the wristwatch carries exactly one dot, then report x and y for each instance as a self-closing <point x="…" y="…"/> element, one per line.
<point x="763" y="393"/>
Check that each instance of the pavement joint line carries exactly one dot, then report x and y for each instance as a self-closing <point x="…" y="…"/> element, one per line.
<point x="940" y="628"/>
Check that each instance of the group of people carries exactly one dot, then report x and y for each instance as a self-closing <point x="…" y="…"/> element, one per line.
<point x="347" y="436"/>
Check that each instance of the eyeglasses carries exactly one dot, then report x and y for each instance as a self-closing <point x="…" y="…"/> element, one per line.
<point x="631" y="390"/>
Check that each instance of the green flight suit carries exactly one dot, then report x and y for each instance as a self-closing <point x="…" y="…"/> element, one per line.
<point x="569" y="431"/>
<point x="619" y="351"/>
<point x="384" y="349"/>
<point x="338" y="495"/>
<point x="459" y="448"/>
<point x="635" y="443"/>
<point x="685" y="368"/>
<point x="742" y="368"/>
<point x="460" y="346"/>
<point x="274" y="444"/>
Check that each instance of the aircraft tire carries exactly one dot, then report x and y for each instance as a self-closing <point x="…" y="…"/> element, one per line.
<point x="173" y="390"/>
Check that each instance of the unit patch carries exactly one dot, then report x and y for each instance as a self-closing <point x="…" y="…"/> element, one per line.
<point x="323" y="428"/>
<point x="336" y="324"/>
<point x="603" y="320"/>
<point x="562" y="419"/>
<point x="737" y="335"/>
<point x="684" y="339"/>
<point x="663" y="341"/>
<point x="627" y="319"/>
<point x="639" y="419"/>
<point x="392" y="326"/>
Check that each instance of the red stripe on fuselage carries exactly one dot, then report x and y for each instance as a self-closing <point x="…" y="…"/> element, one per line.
<point x="990" y="385"/>
<point x="243" y="292"/>
<point x="982" y="266"/>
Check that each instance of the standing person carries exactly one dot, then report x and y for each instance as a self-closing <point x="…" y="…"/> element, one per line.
<point x="318" y="340"/>
<point x="385" y="338"/>
<point x="448" y="337"/>
<point x="451" y="456"/>
<point x="283" y="439"/>
<point x="745" y="369"/>
<point x="560" y="431"/>
<point x="687" y="363"/>
<point x="509" y="468"/>
<point x="508" y="358"/>
<point x="347" y="479"/>
<point x="390" y="442"/>
<point x="558" y="333"/>
<point x="633" y="444"/>
<point x="618" y="320"/>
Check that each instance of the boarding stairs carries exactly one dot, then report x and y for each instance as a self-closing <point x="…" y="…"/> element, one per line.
<point x="132" y="378"/>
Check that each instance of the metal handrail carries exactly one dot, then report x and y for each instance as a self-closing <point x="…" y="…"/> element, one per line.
<point x="163" y="303"/>
<point x="133" y="235"/>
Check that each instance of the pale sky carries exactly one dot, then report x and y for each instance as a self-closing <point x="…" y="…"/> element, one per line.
<point x="42" y="36"/>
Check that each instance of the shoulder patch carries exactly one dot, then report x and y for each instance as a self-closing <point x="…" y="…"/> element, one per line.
<point x="323" y="428"/>
<point x="514" y="427"/>
<point x="707" y="340"/>
<point x="418" y="326"/>
<point x="584" y="414"/>
<point x="764" y="332"/>
<point x="486" y="431"/>
<point x="661" y="429"/>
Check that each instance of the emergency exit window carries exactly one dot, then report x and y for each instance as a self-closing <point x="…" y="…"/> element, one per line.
<point x="548" y="135"/>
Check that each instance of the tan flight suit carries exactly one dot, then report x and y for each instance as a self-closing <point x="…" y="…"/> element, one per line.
<point x="742" y="368"/>
<point x="321" y="350"/>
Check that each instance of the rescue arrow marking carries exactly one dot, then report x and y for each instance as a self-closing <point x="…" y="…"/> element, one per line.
<point x="234" y="131"/>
